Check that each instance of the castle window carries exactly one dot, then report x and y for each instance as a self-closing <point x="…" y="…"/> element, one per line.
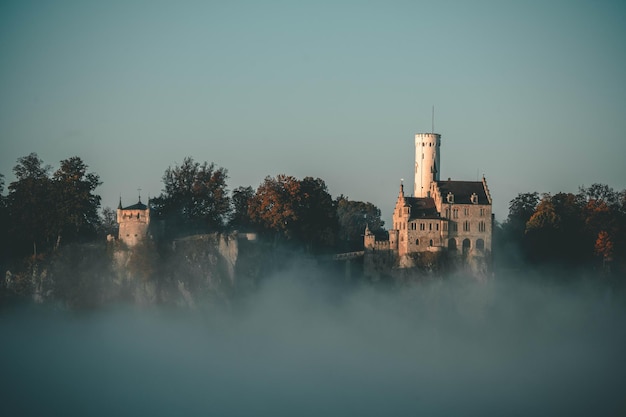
<point x="480" y="245"/>
<point x="452" y="244"/>
<point x="417" y="242"/>
<point x="422" y="226"/>
<point x="466" y="246"/>
<point x="481" y="226"/>
<point x="445" y="227"/>
<point x="430" y="242"/>
<point x="466" y="226"/>
<point x="453" y="227"/>
<point x="448" y="213"/>
<point x="455" y="213"/>
<point x="466" y="211"/>
<point x="482" y="211"/>
<point x="474" y="198"/>
<point x="437" y="226"/>
<point x="430" y="226"/>
<point x="450" y="198"/>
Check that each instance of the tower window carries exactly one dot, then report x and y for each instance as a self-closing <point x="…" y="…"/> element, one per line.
<point x="417" y="242"/>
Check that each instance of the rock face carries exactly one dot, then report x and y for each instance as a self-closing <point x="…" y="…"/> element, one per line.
<point x="189" y="272"/>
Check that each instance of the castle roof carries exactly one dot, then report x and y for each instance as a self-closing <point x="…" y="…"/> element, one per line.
<point x="422" y="207"/>
<point x="463" y="190"/>
<point x="137" y="206"/>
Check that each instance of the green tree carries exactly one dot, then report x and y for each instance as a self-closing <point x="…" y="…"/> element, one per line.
<point x="4" y="222"/>
<point x="29" y="205"/>
<point x="108" y="222"/>
<point x="317" y="225"/>
<point x="76" y="205"/>
<point x="194" y="198"/>
<point x="240" y="200"/>
<point x="353" y="216"/>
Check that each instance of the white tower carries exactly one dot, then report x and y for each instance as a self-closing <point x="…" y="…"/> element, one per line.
<point x="426" y="162"/>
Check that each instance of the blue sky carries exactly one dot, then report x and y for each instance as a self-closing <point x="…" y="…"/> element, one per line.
<point x="531" y="94"/>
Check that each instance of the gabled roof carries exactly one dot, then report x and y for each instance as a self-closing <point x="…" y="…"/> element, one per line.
<point x="422" y="208"/>
<point x="463" y="190"/>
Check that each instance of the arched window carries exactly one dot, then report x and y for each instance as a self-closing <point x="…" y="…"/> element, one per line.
<point x="480" y="245"/>
<point x="430" y="242"/>
<point x="466" y="246"/>
<point x="417" y="242"/>
<point x="452" y="244"/>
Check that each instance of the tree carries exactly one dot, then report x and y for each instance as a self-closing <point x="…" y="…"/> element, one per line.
<point x="240" y="200"/>
<point x="317" y="225"/>
<point x="601" y="193"/>
<point x="604" y="246"/>
<point x="76" y="205"/>
<point x="300" y="211"/>
<point x="108" y="222"/>
<point x="353" y="216"/>
<point x="194" y="197"/>
<point x="521" y="208"/>
<point x="542" y="229"/>
<point x="29" y="201"/>
<point x="4" y="223"/>
<point x="273" y="207"/>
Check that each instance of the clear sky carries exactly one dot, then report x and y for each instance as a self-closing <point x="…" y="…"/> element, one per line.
<point x="532" y="94"/>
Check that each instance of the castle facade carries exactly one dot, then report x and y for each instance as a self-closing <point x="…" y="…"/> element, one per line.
<point x="451" y="218"/>
<point x="134" y="223"/>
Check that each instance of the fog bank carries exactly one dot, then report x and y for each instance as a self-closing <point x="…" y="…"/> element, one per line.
<point x="299" y="346"/>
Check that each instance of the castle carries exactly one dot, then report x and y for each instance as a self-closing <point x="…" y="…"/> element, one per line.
<point x="445" y="218"/>
<point x="134" y="222"/>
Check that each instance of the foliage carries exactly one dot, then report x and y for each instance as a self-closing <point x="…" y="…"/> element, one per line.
<point x="570" y="229"/>
<point x="240" y="201"/>
<point x="108" y="222"/>
<point x="286" y="208"/>
<point x="194" y="198"/>
<point x="43" y="209"/>
<point x="76" y="205"/>
<point x="353" y="217"/>
<point x="29" y="201"/>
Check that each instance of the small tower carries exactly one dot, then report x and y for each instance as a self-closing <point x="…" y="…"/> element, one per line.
<point x="369" y="238"/>
<point x="134" y="222"/>
<point x="427" y="165"/>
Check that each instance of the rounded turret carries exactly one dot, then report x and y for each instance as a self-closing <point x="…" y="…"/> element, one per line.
<point x="426" y="162"/>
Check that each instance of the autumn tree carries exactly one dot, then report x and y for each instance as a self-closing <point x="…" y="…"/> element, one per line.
<point x="273" y="207"/>
<point x="194" y="197"/>
<point x="286" y="208"/>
